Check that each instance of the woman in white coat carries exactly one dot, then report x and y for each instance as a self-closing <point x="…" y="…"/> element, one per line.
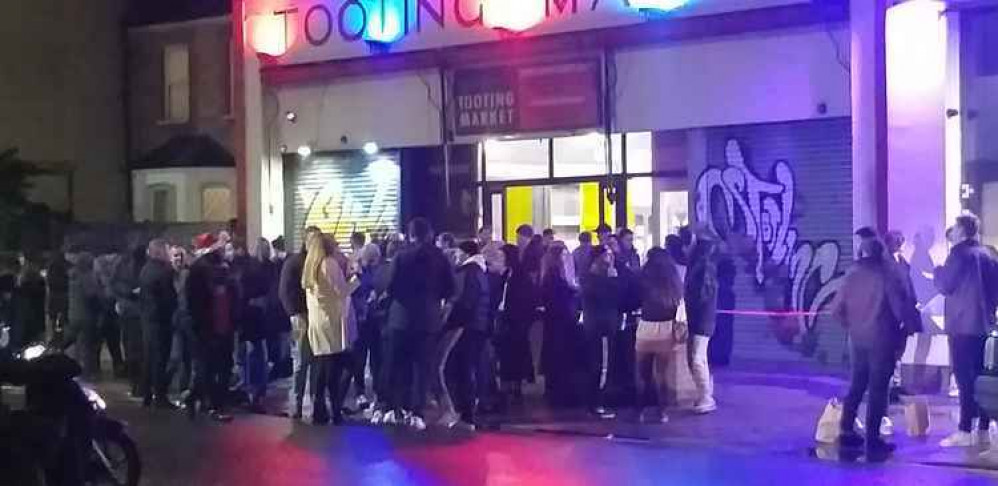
<point x="330" y="330"/>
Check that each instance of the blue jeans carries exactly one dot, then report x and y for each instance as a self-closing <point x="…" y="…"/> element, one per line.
<point x="253" y="355"/>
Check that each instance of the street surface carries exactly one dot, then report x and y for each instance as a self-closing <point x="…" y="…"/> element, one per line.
<point x="748" y="445"/>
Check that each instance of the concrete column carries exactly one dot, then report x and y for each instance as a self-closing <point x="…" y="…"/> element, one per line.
<point x="920" y="180"/>
<point x="869" y="112"/>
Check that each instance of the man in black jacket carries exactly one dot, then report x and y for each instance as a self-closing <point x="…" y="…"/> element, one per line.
<point x="159" y="302"/>
<point x="125" y="286"/>
<point x="968" y="280"/>
<point x="292" y="297"/>
<point x="421" y="280"/>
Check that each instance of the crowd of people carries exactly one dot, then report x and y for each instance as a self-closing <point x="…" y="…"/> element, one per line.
<point x="408" y="326"/>
<point x="426" y="326"/>
<point x="878" y="305"/>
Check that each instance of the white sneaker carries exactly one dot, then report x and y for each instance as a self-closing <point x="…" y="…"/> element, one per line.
<point x="449" y="420"/>
<point x="377" y="417"/>
<point x="391" y="418"/>
<point x="990" y="455"/>
<point x="705" y="406"/>
<point x="886" y="427"/>
<point x="958" y="439"/>
<point x="463" y="426"/>
<point x="414" y="421"/>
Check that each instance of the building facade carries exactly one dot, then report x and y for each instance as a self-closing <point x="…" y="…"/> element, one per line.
<point x="782" y="124"/>
<point x="180" y="112"/>
<point x="61" y="100"/>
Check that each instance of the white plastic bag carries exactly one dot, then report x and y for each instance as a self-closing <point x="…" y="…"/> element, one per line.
<point x="917" y="417"/>
<point x="828" y="429"/>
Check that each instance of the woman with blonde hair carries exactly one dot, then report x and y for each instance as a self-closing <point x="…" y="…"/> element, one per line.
<point x="330" y="330"/>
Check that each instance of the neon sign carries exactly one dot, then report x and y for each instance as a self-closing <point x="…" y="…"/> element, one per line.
<point x="337" y="25"/>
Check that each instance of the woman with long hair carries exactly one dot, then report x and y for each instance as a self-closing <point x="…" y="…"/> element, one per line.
<point x="661" y="329"/>
<point x="330" y="333"/>
<point x="561" y="318"/>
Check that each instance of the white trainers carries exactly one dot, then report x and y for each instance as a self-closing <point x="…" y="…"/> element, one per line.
<point x="391" y="418"/>
<point x="377" y="417"/>
<point x="958" y="439"/>
<point x="449" y="419"/>
<point x="414" y="421"/>
<point x="705" y="406"/>
<point x="886" y="427"/>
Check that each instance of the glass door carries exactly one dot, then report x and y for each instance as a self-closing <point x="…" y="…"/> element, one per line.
<point x="568" y="209"/>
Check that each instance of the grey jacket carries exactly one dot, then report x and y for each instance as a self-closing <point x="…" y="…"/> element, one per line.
<point x="870" y="304"/>
<point x="967" y="279"/>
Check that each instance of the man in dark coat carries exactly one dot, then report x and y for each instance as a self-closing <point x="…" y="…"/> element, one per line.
<point x="159" y="303"/>
<point x="969" y="280"/>
<point x="869" y="305"/>
<point x="292" y="297"/>
<point x="421" y="280"/>
<point x="211" y="296"/>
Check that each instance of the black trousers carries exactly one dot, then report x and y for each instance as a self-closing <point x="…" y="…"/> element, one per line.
<point x="462" y="372"/>
<point x="110" y="335"/>
<point x="406" y="358"/>
<point x="871" y="371"/>
<point x="368" y="346"/>
<point x="212" y="358"/>
<point x="304" y="373"/>
<point x="131" y="333"/>
<point x="594" y="362"/>
<point x="157" y="343"/>
<point x="332" y="377"/>
<point x="967" y="357"/>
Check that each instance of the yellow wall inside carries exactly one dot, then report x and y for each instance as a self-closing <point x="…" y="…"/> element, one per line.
<point x="519" y="209"/>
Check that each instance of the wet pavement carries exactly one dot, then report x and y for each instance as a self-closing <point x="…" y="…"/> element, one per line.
<point x="762" y="435"/>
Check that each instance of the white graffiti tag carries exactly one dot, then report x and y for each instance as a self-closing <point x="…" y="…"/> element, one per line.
<point x="814" y="273"/>
<point x="758" y="209"/>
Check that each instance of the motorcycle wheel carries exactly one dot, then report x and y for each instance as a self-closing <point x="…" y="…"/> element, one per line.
<point x="123" y="457"/>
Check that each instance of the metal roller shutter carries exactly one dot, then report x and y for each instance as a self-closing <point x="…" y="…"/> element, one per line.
<point x="781" y="196"/>
<point x="344" y="193"/>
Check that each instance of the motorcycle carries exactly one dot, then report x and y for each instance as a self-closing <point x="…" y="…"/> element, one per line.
<point x="71" y="433"/>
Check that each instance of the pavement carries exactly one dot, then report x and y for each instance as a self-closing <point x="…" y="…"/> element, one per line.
<point x="761" y="435"/>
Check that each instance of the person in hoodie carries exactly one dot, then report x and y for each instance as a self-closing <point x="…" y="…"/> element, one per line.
<point x="700" y="294"/>
<point x="869" y="304"/>
<point x="469" y="313"/>
<point x="126" y="294"/>
<point x="84" y="309"/>
<point x="158" y="296"/>
<point x="601" y="319"/>
<point x="969" y="280"/>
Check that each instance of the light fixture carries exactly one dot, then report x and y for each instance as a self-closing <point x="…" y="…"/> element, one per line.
<point x="268" y="34"/>
<point x="658" y="6"/>
<point x="384" y="23"/>
<point x="304" y="150"/>
<point x="290" y="116"/>
<point x="370" y="148"/>
<point x="513" y="16"/>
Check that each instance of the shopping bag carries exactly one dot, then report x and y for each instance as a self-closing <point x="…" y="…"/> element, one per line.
<point x="916" y="417"/>
<point x="828" y="425"/>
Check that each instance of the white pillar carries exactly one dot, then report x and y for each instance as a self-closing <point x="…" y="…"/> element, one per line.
<point x="254" y="146"/>
<point x="920" y="181"/>
<point x="869" y="112"/>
